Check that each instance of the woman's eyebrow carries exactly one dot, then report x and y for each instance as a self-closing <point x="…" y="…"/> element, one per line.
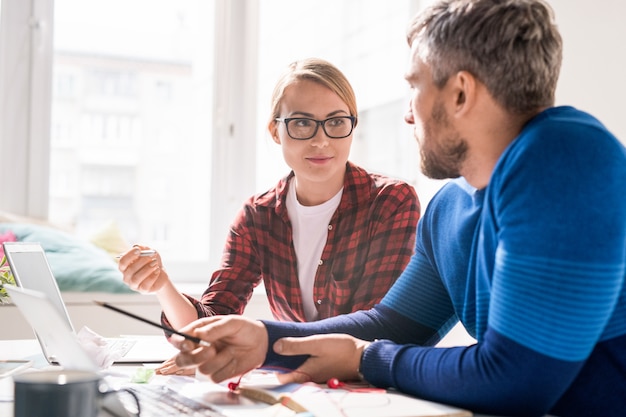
<point x="300" y="113"/>
<point x="336" y="112"/>
<point x="310" y="115"/>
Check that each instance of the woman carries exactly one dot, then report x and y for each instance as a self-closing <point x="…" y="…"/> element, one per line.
<point x="328" y="239"/>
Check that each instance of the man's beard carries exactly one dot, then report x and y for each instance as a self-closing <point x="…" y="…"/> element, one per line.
<point x="443" y="159"/>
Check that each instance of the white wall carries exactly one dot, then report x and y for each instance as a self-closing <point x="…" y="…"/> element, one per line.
<point x="592" y="76"/>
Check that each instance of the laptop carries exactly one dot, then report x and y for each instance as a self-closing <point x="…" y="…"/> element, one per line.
<point x="50" y="327"/>
<point x="31" y="270"/>
<point x="155" y="400"/>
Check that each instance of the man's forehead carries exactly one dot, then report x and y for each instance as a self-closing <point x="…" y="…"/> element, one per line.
<point x="416" y="65"/>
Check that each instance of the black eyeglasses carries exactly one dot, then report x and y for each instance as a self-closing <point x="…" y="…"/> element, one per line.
<point x="303" y="128"/>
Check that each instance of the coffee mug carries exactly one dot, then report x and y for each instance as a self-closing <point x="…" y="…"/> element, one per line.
<point x="59" y="393"/>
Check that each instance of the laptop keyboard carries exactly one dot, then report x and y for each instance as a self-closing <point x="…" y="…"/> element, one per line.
<point x="120" y="345"/>
<point x="161" y="401"/>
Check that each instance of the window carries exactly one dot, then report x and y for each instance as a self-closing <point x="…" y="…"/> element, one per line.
<point x="131" y="122"/>
<point x="152" y="113"/>
<point x="160" y="106"/>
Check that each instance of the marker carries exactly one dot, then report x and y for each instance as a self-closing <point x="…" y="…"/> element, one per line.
<point x="166" y="328"/>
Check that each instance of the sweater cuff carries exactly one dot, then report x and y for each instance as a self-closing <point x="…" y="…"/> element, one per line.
<point x="275" y="331"/>
<point x="377" y="363"/>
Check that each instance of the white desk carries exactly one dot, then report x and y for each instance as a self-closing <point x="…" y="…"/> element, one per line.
<point x="29" y="349"/>
<point x="17" y="349"/>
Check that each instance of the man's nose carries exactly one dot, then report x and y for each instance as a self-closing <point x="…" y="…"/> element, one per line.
<point x="408" y="116"/>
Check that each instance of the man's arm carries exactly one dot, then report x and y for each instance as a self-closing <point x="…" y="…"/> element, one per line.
<point x="550" y="290"/>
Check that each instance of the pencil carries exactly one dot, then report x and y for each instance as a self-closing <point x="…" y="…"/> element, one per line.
<point x="155" y="324"/>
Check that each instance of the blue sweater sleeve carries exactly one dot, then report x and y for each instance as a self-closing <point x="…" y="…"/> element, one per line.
<point x="378" y="323"/>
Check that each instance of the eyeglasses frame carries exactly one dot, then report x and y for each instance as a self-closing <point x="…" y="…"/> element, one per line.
<point x="318" y="123"/>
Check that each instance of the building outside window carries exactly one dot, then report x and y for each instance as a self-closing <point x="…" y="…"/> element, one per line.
<point x="131" y="122"/>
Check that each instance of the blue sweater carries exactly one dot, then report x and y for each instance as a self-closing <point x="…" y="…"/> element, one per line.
<point x="533" y="266"/>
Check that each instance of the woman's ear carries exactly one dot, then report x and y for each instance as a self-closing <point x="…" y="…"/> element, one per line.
<point x="272" y="127"/>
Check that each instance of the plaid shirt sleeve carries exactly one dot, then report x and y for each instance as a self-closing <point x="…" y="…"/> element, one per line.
<point x="232" y="284"/>
<point x="240" y="271"/>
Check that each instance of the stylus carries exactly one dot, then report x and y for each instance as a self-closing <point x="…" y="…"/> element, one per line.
<point x="166" y="328"/>
<point x="145" y="252"/>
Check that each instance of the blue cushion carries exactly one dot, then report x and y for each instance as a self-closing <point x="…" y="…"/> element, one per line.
<point x="77" y="265"/>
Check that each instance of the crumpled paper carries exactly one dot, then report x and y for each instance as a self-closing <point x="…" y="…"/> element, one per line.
<point x="102" y="351"/>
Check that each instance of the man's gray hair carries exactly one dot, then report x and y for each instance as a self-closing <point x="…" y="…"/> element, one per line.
<point x="511" y="46"/>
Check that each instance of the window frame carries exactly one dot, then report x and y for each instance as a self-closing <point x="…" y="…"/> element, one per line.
<point x="25" y="83"/>
<point x="26" y="59"/>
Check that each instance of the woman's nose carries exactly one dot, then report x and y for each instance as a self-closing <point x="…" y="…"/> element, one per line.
<point x="320" y="138"/>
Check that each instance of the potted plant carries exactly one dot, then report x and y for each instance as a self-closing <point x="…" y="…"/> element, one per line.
<point x="6" y="277"/>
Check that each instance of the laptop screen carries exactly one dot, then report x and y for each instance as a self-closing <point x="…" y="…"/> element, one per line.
<point x="32" y="271"/>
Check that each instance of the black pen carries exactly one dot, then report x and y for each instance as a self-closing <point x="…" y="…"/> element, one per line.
<point x="160" y="326"/>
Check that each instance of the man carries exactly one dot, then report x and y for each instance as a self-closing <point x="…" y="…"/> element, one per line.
<point x="526" y="246"/>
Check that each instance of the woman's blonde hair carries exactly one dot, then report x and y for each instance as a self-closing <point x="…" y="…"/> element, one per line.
<point x="319" y="71"/>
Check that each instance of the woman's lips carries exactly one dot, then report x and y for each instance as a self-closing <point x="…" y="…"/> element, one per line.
<point x="318" y="159"/>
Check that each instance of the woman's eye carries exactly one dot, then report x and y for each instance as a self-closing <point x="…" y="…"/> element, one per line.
<point x="336" y="122"/>
<point x="303" y="122"/>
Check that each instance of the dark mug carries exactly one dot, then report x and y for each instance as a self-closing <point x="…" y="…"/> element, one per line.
<point x="59" y="393"/>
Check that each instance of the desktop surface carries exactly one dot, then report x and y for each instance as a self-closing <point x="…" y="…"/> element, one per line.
<point x="29" y="349"/>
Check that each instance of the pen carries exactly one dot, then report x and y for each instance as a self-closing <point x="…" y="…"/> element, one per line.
<point x="166" y="328"/>
<point x="145" y="252"/>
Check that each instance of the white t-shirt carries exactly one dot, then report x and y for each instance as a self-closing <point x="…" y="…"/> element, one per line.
<point x="310" y="232"/>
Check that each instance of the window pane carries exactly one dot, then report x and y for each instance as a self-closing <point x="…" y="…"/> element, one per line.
<point x="367" y="41"/>
<point x="131" y="122"/>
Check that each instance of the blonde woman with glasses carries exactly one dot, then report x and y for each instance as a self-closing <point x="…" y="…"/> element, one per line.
<point x="330" y="238"/>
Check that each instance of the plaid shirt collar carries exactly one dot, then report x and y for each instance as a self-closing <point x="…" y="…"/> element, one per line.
<point x="356" y="190"/>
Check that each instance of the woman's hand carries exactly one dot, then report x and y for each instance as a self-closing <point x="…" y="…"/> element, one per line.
<point x="143" y="273"/>
<point x="169" y="367"/>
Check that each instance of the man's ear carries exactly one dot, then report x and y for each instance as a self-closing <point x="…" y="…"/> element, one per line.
<point x="272" y="127"/>
<point x="464" y="92"/>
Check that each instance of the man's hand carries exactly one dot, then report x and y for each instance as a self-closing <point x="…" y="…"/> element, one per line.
<point x="331" y="356"/>
<point x="238" y="345"/>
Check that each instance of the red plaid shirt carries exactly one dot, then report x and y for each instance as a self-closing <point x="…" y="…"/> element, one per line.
<point x="371" y="237"/>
